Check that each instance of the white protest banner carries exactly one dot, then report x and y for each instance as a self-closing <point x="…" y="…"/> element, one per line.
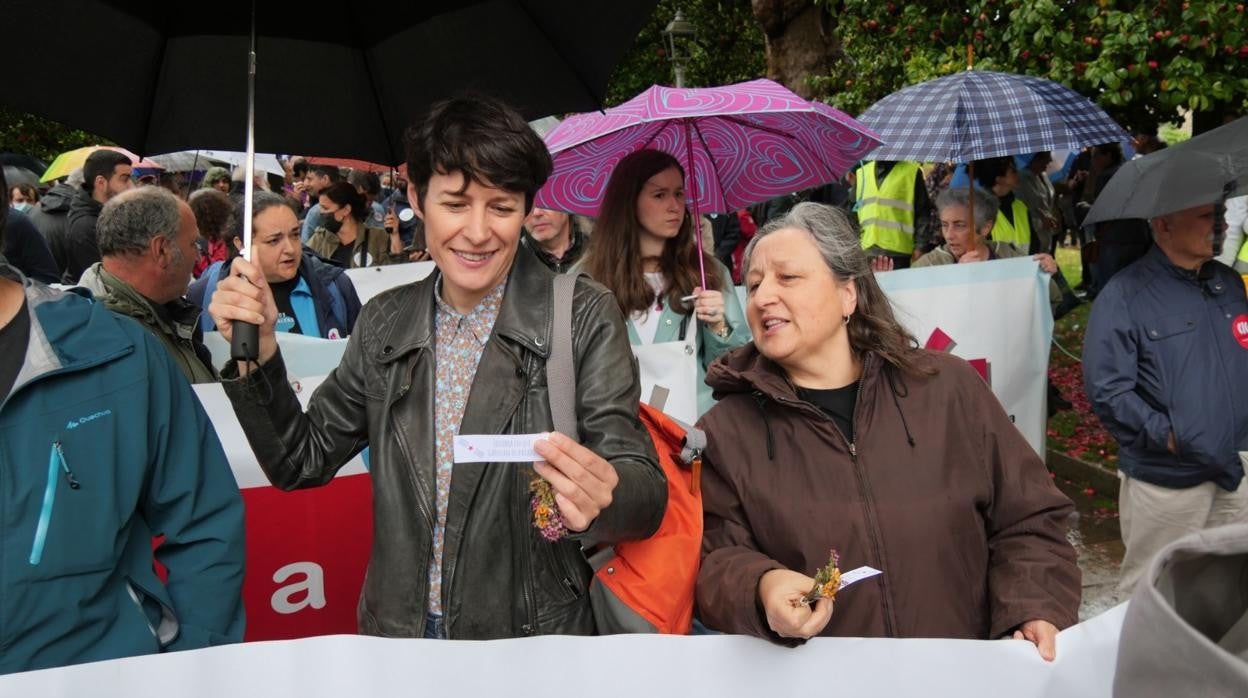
<point x="993" y="314"/>
<point x="724" y="666"/>
<point x="669" y="378"/>
<point x="370" y="281"/>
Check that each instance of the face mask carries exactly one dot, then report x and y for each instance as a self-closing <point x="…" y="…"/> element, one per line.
<point x="330" y="223"/>
<point x="23" y="207"/>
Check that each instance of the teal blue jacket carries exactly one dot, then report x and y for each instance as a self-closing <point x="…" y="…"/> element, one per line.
<point x="103" y="446"/>
<point x="710" y="345"/>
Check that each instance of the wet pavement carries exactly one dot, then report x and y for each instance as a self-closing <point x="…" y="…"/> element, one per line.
<point x="1097" y="540"/>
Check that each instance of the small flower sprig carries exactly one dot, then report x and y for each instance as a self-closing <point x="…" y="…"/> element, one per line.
<point x="546" y="516"/>
<point x="827" y="582"/>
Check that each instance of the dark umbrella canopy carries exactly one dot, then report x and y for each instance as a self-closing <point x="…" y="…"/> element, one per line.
<point x="160" y="76"/>
<point x="1203" y="170"/>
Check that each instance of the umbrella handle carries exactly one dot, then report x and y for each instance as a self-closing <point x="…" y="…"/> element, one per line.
<point x="245" y="342"/>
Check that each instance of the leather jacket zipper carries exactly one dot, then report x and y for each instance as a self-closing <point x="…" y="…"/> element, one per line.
<point x="421" y="503"/>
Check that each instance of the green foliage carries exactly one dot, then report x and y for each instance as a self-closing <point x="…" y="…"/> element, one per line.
<point x="32" y="135"/>
<point x="727" y="48"/>
<point x="1142" y="62"/>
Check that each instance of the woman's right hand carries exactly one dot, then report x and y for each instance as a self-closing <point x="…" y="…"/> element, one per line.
<point x="779" y="591"/>
<point x="245" y="296"/>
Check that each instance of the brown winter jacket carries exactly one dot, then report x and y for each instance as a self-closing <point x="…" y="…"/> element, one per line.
<point x="939" y="490"/>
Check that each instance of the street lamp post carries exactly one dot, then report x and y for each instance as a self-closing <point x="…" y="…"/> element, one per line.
<point x="678" y="31"/>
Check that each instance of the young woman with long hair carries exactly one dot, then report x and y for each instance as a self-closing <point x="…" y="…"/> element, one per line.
<point x="643" y="249"/>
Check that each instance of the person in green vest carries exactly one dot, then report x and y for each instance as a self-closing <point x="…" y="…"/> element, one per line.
<point x="643" y="250"/>
<point x="999" y="176"/>
<point x="894" y="211"/>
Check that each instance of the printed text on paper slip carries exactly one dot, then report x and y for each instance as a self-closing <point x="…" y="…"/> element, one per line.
<point x="496" y="448"/>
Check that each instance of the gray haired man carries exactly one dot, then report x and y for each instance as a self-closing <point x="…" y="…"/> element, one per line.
<point x="147" y="242"/>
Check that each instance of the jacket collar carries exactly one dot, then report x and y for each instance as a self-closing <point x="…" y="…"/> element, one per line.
<point x="525" y="316"/>
<point x="84" y="334"/>
<point x="178" y="318"/>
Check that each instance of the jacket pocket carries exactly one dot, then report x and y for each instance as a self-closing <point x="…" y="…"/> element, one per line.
<point x="567" y="585"/>
<point x="77" y="526"/>
<point x="56" y="464"/>
<point x="1168" y="326"/>
<point x="155" y="613"/>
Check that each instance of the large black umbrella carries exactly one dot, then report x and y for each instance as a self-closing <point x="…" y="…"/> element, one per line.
<point x="157" y="76"/>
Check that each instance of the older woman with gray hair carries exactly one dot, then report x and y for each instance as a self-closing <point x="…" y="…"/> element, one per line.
<point x="834" y="431"/>
<point x="966" y="243"/>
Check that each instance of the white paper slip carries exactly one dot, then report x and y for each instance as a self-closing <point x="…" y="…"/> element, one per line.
<point x="497" y="448"/>
<point x="855" y="576"/>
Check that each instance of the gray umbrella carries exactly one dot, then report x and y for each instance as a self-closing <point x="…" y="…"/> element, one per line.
<point x="19" y="175"/>
<point x="1200" y="171"/>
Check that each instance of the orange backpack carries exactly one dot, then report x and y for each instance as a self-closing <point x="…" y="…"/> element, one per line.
<point x="643" y="586"/>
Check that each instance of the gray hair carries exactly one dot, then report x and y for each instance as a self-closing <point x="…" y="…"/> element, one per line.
<point x="831" y="232"/>
<point x="986" y="205"/>
<point x="872" y="327"/>
<point x="131" y="219"/>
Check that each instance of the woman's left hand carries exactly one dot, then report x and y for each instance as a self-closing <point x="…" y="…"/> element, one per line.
<point x="1042" y="634"/>
<point x="709" y="307"/>
<point x="583" y="481"/>
<point x="1047" y="264"/>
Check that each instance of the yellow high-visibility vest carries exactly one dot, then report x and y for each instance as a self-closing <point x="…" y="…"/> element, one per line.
<point x="1018" y="234"/>
<point x="886" y="211"/>
<point x="1243" y="252"/>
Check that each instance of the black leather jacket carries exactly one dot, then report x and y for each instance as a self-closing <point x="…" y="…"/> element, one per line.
<point x="500" y="578"/>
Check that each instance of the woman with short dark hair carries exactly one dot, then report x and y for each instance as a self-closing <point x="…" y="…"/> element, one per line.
<point x="457" y="551"/>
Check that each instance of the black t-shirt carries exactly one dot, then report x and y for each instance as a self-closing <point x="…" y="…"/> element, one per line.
<point x="13" y="340"/>
<point x="837" y="403"/>
<point x="342" y="255"/>
<point x="286" y="319"/>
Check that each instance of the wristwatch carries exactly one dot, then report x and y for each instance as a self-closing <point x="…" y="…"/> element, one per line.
<point x="723" y="332"/>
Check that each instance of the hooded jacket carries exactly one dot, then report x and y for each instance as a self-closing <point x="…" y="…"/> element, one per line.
<point x="50" y="216"/>
<point x="939" y="490"/>
<point x="82" y="249"/>
<point x="103" y="445"/>
<point x="333" y="295"/>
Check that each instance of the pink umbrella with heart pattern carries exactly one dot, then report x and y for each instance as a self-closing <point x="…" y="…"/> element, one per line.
<point x="739" y="145"/>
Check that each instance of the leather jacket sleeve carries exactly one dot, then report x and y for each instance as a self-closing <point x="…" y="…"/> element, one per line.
<point x="608" y="395"/>
<point x="295" y="449"/>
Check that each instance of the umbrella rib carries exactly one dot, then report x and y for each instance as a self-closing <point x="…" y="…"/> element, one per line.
<point x="558" y="52"/>
<point x="707" y="149"/>
<point x="760" y="127"/>
<point x="381" y="114"/>
<point x="155" y="83"/>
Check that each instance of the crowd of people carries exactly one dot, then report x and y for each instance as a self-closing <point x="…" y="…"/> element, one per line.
<point x="827" y="425"/>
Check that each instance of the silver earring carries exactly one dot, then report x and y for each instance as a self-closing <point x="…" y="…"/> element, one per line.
<point x="845" y="320"/>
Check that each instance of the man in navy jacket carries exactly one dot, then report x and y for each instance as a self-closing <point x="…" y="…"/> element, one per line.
<point x="1165" y="365"/>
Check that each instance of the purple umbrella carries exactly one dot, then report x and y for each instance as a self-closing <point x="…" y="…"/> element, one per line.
<point x="739" y="145"/>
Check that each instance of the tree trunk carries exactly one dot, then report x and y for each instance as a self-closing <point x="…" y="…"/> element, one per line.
<point x="801" y="41"/>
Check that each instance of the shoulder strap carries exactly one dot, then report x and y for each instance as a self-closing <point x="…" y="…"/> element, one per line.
<point x="560" y="366"/>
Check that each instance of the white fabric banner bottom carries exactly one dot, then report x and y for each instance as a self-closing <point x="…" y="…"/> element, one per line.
<point x="621" y="665"/>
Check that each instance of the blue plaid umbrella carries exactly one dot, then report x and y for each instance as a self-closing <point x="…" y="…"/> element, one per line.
<point x="978" y="114"/>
